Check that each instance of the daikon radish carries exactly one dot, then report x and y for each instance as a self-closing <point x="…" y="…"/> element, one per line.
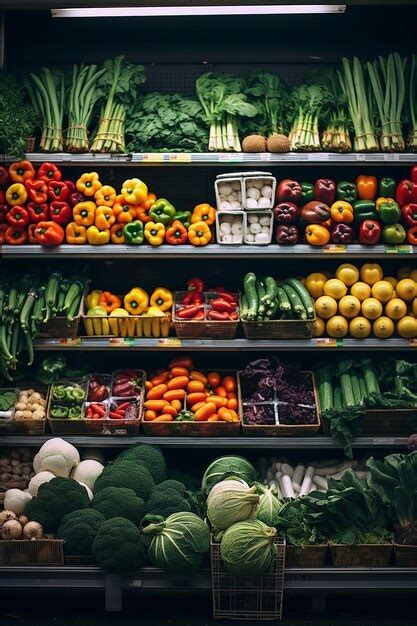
<point x="307" y="481"/>
<point x="297" y="477"/>
<point x="286" y="486"/>
<point x="288" y="469"/>
<point x="330" y="471"/>
<point x="320" y="482"/>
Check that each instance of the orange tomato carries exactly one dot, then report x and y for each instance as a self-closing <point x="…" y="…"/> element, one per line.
<point x="155" y="405"/>
<point x="197" y="406"/>
<point x="170" y="410"/>
<point x="181" y="361"/>
<point x="208" y="409"/>
<point x="148" y="385"/>
<point x="157" y="392"/>
<point x="198" y="376"/>
<point x="150" y="415"/>
<point x="218" y="401"/>
<point x="176" y="404"/>
<point x="193" y="398"/>
<point x="195" y="385"/>
<point x="165" y="417"/>
<point x="174" y="394"/>
<point x="229" y="383"/>
<point x="213" y="418"/>
<point x="160" y="378"/>
<point x="179" y="382"/>
<point x="220" y="391"/>
<point x="228" y="415"/>
<point x="179" y="371"/>
<point x="214" y="379"/>
<point x="232" y="403"/>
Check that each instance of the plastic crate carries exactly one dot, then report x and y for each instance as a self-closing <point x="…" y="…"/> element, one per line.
<point x="265" y="177"/>
<point x="222" y="216"/>
<point x="305" y="556"/>
<point x="26" y="552"/>
<point x="197" y="329"/>
<point x="260" y="213"/>
<point x="361" y="555"/>
<point x="258" y="598"/>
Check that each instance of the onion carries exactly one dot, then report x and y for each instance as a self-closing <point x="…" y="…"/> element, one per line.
<point x="6" y="515"/>
<point x="33" y="530"/>
<point x="11" y="530"/>
<point x="23" y="520"/>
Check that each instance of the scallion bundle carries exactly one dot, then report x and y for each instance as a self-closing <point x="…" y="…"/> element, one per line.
<point x="82" y="97"/>
<point x="47" y="91"/>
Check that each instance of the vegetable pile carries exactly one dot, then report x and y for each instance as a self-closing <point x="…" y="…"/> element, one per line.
<point x="201" y="303"/>
<point x="267" y="299"/>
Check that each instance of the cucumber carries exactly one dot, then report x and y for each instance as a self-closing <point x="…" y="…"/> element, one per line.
<point x="244" y="307"/>
<point x="283" y="301"/>
<point x="271" y="290"/>
<point x="249" y="286"/>
<point x="271" y="312"/>
<point x="260" y="290"/>
<point x="303" y="294"/>
<point x="296" y="304"/>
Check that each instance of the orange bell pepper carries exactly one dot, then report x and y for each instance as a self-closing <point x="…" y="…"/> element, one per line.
<point x="116" y="233"/>
<point x="83" y="213"/>
<point x="204" y="213"/>
<point x="341" y="212"/>
<point x="199" y="234"/>
<point x="317" y="235"/>
<point x="21" y="171"/>
<point x="109" y="301"/>
<point x="367" y="187"/>
<point x="105" y="196"/>
<point x="75" y="234"/>
<point x="88" y="184"/>
<point x="104" y="217"/>
<point x="123" y="212"/>
<point x="142" y="210"/>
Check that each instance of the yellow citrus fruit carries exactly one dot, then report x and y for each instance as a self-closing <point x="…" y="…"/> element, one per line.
<point x="407" y="327"/>
<point x="360" y="290"/>
<point x="335" y="288"/>
<point x="404" y="272"/>
<point x="382" y="290"/>
<point x="371" y="273"/>
<point x="406" y="289"/>
<point x="414" y="306"/>
<point x="349" y="306"/>
<point x="391" y="279"/>
<point x="315" y="283"/>
<point x="318" y="327"/>
<point x="325" y="307"/>
<point x="413" y="275"/>
<point x="337" y="327"/>
<point x="347" y="273"/>
<point x="360" y="327"/>
<point x="371" y="308"/>
<point x="383" y="327"/>
<point x="396" y="309"/>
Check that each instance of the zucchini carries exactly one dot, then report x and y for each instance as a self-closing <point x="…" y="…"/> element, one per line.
<point x="244" y="307"/>
<point x="271" y="311"/>
<point x="347" y="390"/>
<point x="303" y="294"/>
<point x="271" y="290"/>
<point x="356" y="389"/>
<point x="296" y="304"/>
<point x="283" y="301"/>
<point x="260" y="290"/>
<point x="362" y="387"/>
<point x="371" y="381"/>
<point x="249" y="286"/>
<point x="52" y="287"/>
<point x="325" y="389"/>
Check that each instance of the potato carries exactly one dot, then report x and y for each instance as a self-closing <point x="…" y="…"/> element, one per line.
<point x="20" y="406"/>
<point x="42" y="402"/>
<point x="36" y="407"/>
<point x="27" y="415"/>
<point x="38" y="415"/>
<point x="29" y="391"/>
<point x="36" y="396"/>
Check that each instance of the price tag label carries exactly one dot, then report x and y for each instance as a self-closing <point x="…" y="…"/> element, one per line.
<point x="384" y="440"/>
<point x="402" y="249"/>
<point x="71" y="341"/>
<point x="179" y="157"/>
<point x="412" y="343"/>
<point x="170" y="342"/>
<point x="231" y="158"/>
<point x="391" y="157"/>
<point x="265" y="156"/>
<point x="318" y="156"/>
<point x="328" y="342"/>
<point x="153" y="157"/>
<point x="334" y="248"/>
<point x="119" y="342"/>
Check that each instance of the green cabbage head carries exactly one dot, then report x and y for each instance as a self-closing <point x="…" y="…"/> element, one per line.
<point x="247" y="548"/>
<point x="269" y="506"/>
<point x="231" y="501"/>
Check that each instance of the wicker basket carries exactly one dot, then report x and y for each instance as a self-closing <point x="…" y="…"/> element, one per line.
<point x="198" y="429"/>
<point x="405" y="556"/>
<point x="305" y="556"/>
<point x="258" y="598"/>
<point x="361" y="555"/>
<point x="26" y="552"/>
<point x="278" y="329"/>
<point x="388" y="422"/>
<point x="27" y="426"/>
<point x="194" y="329"/>
<point x="59" y="328"/>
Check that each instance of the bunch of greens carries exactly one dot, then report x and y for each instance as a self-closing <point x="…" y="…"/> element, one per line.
<point x="117" y="88"/>
<point x="224" y="102"/>
<point x="293" y="524"/>
<point x="398" y="386"/>
<point x="307" y="104"/>
<point x="162" y="123"/>
<point x="411" y="86"/>
<point x="82" y="97"/>
<point x="268" y="94"/>
<point x="47" y="92"/>
<point x="17" y="120"/>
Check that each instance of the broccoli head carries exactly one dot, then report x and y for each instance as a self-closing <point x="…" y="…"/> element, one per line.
<point x="126" y="474"/>
<point x="118" y="546"/>
<point x="166" y="502"/>
<point x="79" y="529"/>
<point x="174" y="485"/>
<point x="150" y="457"/>
<point x="55" y="499"/>
<point x="119" y="502"/>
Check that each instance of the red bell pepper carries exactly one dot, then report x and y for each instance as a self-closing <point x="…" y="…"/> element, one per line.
<point x="49" y="172"/>
<point x="4" y="177"/>
<point x="60" y="212"/>
<point x="288" y="191"/>
<point x="324" y="190"/>
<point x="413" y="174"/>
<point x="75" y="198"/>
<point x="409" y="214"/>
<point x="15" y="236"/>
<point x="286" y="212"/>
<point x="31" y="233"/>
<point x="370" y="232"/>
<point x="412" y="235"/>
<point x="406" y="192"/>
<point x="71" y="185"/>
<point x="49" y="234"/>
<point x="4" y="207"/>
<point x="3" y="228"/>
<point x="38" y="212"/>
<point x="37" y="190"/>
<point x="18" y="216"/>
<point x="195" y="284"/>
<point x="57" y="190"/>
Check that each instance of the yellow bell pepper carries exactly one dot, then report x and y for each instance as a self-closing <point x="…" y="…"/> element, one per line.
<point x="199" y="234"/>
<point x="16" y="194"/>
<point x="162" y="299"/>
<point x="92" y="298"/>
<point x="88" y="184"/>
<point x="104" y="217"/>
<point x="154" y="233"/>
<point x="75" y="234"/>
<point x="83" y="213"/>
<point x="204" y="213"/>
<point x="382" y="200"/>
<point x="97" y="237"/>
<point x="105" y="196"/>
<point x="96" y="322"/>
<point x="134" y="191"/>
<point x="136" y="301"/>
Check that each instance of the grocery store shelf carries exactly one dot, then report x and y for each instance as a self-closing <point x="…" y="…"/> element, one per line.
<point x="213" y="251"/>
<point x="225" y="345"/>
<point x="255" y="443"/>
<point x="218" y="158"/>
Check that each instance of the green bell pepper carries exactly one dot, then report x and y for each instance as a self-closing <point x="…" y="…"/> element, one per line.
<point x="347" y="191"/>
<point x="162" y="212"/>
<point x="184" y="217"/>
<point x="364" y="210"/>
<point x="58" y="392"/>
<point x="393" y="234"/>
<point x="74" y="413"/>
<point x="387" y="187"/>
<point x="133" y="232"/>
<point x="307" y="193"/>
<point x="389" y="212"/>
<point x="58" y="412"/>
<point x="75" y="393"/>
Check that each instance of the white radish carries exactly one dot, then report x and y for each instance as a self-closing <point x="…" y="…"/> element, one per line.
<point x="287" y="469"/>
<point x="329" y="471"/>
<point x="286" y="486"/>
<point x="307" y="481"/>
<point x="297" y="477"/>
<point x="320" y="482"/>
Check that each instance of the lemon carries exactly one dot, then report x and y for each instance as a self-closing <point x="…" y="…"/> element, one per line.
<point x="383" y="327"/>
<point x="325" y="307"/>
<point x="370" y="273"/>
<point x="413" y="275"/>
<point x="414" y="306"/>
<point x="360" y="290"/>
<point x="337" y="327"/>
<point x="360" y="327"/>
<point x="349" y="306"/>
<point x="371" y="308"/>
<point x="396" y="309"/>
<point x="391" y="279"/>
<point x="382" y="290"/>
<point x="407" y="327"/>
<point x="347" y="273"/>
<point x="404" y="272"/>
<point x="406" y="289"/>
<point x="315" y="283"/>
<point x="335" y="288"/>
<point x="318" y="327"/>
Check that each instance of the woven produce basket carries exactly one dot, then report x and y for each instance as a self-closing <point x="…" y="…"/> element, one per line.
<point x="305" y="556"/>
<point x="195" y="329"/>
<point x="405" y="556"/>
<point x="388" y="421"/>
<point x="198" y="429"/>
<point x="258" y="598"/>
<point x="26" y="426"/>
<point x="59" y="328"/>
<point x="278" y="329"/>
<point x="26" y="552"/>
<point x="361" y="555"/>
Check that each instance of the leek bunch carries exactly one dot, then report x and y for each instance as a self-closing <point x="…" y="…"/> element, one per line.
<point x="47" y="92"/>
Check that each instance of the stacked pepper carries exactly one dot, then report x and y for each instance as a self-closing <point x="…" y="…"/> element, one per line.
<point x="216" y="304"/>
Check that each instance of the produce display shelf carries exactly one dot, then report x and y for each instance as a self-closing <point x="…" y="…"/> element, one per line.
<point x="226" y="345"/>
<point x="238" y="442"/>
<point x="216" y="158"/>
<point x="213" y="251"/>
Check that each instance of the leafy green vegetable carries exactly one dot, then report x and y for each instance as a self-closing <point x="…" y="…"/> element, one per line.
<point x="292" y="522"/>
<point x="268" y="94"/>
<point x="126" y="474"/>
<point x="247" y="548"/>
<point x="119" y="502"/>
<point x="17" y="120"/>
<point x="150" y="457"/>
<point x="55" y="499"/>
<point x="47" y="92"/>
<point x="269" y="506"/>
<point x="306" y="104"/>
<point x="82" y="97"/>
<point x="225" y="466"/>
